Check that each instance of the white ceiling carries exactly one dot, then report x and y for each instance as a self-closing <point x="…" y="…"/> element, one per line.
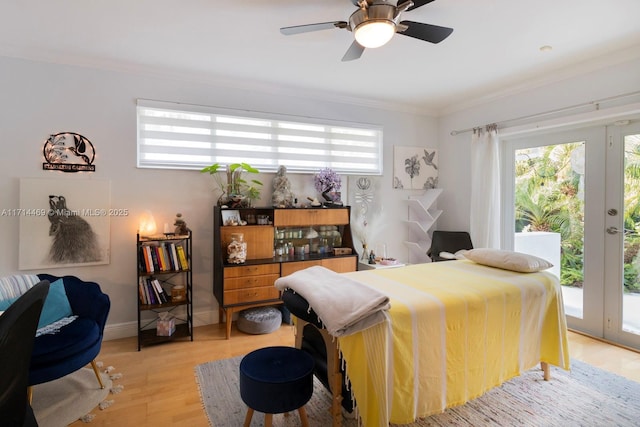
<point x="494" y="46"/>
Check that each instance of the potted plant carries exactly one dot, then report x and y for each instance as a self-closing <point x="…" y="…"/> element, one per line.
<point x="236" y="191"/>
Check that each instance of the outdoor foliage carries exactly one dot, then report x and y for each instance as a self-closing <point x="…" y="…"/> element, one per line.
<point x="549" y="196"/>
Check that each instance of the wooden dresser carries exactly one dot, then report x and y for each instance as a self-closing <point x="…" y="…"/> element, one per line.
<point x="311" y="233"/>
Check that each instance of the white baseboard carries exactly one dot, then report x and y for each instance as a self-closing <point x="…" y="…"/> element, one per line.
<point x="130" y="329"/>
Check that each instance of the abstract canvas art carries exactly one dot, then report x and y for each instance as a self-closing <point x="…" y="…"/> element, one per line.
<point x="415" y="168"/>
<point x="63" y="223"/>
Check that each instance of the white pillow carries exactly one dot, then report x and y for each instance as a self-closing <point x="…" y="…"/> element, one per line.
<point x="508" y="260"/>
<point x="458" y="255"/>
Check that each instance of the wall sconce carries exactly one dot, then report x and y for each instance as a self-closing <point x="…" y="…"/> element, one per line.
<point x="147" y="224"/>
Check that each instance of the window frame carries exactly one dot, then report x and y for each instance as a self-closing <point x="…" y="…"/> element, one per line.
<point x="264" y="140"/>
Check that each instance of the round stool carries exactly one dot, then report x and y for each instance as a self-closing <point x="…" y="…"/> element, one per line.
<point x="260" y="320"/>
<point x="274" y="380"/>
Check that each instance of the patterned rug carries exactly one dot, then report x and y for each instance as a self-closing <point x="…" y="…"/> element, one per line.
<point x="586" y="397"/>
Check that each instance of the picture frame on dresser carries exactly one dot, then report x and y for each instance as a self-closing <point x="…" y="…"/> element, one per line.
<point x="230" y="216"/>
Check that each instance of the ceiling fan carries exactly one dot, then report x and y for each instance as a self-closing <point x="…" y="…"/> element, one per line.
<point x="374" y="23"/>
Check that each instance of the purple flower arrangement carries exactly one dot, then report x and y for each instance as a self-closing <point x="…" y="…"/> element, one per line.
<point x="327" y="180"/>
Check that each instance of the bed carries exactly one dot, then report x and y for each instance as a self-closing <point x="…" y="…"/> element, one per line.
<point x="453" y="331"/>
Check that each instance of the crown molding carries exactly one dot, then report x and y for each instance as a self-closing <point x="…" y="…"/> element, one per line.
<point x="555" y="76"/>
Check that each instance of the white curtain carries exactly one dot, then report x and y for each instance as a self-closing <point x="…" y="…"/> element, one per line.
<point x="485" y="188"/>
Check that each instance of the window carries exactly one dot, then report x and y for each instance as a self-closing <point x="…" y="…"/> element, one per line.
<point x="179" y="136"/>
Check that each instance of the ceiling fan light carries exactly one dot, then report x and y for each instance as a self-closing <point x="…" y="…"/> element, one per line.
<point x="372" y="34"/>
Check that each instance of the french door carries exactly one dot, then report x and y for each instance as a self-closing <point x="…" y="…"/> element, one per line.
<point x="622" y="236"/>
<point x="574" y="197"/>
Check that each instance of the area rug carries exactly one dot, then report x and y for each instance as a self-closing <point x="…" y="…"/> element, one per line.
<point x="71" y="398"/>
<point x="586" y="396"/>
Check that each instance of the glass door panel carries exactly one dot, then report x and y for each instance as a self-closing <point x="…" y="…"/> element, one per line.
<point x="622" y="255"/>
<point x="549" y="213"/>
<point x="557" y="191"/>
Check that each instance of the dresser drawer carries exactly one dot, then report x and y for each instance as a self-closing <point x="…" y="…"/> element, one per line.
<point x="292" y="267"/>
<point x="341" y="264"/>
<point x="308" y="217"/>
<point x="250" y="281"/>
<point x="249" y="295"/>
<point x="251" y="270"/>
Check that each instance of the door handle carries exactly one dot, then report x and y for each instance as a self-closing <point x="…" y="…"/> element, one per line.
<point x="612" y="230"/>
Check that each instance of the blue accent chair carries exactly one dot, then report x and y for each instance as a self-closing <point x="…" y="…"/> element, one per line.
<point x="76" y="344"/>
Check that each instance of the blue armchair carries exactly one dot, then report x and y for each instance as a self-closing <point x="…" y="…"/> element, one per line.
<point x="76" y="344"/>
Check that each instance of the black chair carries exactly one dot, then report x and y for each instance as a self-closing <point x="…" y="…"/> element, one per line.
<point x="18" y="326"/>
<point x="448" y="241"/>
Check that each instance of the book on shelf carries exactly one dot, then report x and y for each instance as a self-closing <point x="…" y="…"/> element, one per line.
<point x="162" y="295"/>
<point x="154" y="257"/>
<point x="142" y="264"/>
<point x="153" y="296"/>
<point x="159" y="258"/>
<point x="173" y="256"/>
<point x="148" y="261"/>
<point x="165" y="257"/>
<point x="144" y="285"/>
<point x="161" y="262"/>
<point x="184" y="265"/>
<point x="141" y="292"/>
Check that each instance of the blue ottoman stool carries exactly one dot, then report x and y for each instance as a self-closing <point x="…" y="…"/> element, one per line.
<point x="274" y="380"/>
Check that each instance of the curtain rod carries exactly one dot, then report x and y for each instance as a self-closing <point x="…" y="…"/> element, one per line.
<point x="595" y="103"/>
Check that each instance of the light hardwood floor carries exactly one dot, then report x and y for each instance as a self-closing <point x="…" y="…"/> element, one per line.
<point x="160" y="387"/>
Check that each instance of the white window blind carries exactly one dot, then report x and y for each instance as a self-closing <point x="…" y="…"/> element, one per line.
<point x="179" y="136"/>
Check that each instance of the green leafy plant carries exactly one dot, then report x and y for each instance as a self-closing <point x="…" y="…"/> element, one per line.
<point x="233" y="187"/>
<point x="548" y="198"/>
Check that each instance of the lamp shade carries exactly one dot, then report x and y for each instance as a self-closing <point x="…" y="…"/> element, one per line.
<point x="374" y="26"/>
<point x="372" y="34"/>
<point x="146" y="224"/>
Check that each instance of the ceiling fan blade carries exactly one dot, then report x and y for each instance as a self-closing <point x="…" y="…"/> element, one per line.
<point x="297" y="29"/>
<point x="427" y="32"/>
<point x="419" y="3"/>
<point x="354" y="52"/>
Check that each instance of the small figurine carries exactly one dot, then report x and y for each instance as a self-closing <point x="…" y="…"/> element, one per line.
<point x="372" y="258"/>
<point x="282" y="196"/>
<point x="181" y="225"/>
<point x="314" y="202"/>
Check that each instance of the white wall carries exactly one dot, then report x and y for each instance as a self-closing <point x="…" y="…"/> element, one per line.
<point x="39" y="99"/>
<point x="616" y="79"/>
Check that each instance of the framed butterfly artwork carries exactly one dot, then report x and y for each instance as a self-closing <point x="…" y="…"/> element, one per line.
<point x="415" y="168"/>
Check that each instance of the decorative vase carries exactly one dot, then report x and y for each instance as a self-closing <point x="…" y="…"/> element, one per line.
<point x="237" y="249"/>
<point x="365" y="253"/>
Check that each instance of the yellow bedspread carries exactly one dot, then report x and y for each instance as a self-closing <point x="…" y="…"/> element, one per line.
<point x="456" y="330"/>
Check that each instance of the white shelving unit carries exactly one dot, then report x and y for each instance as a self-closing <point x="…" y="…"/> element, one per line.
<point x="421" y="217"/>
